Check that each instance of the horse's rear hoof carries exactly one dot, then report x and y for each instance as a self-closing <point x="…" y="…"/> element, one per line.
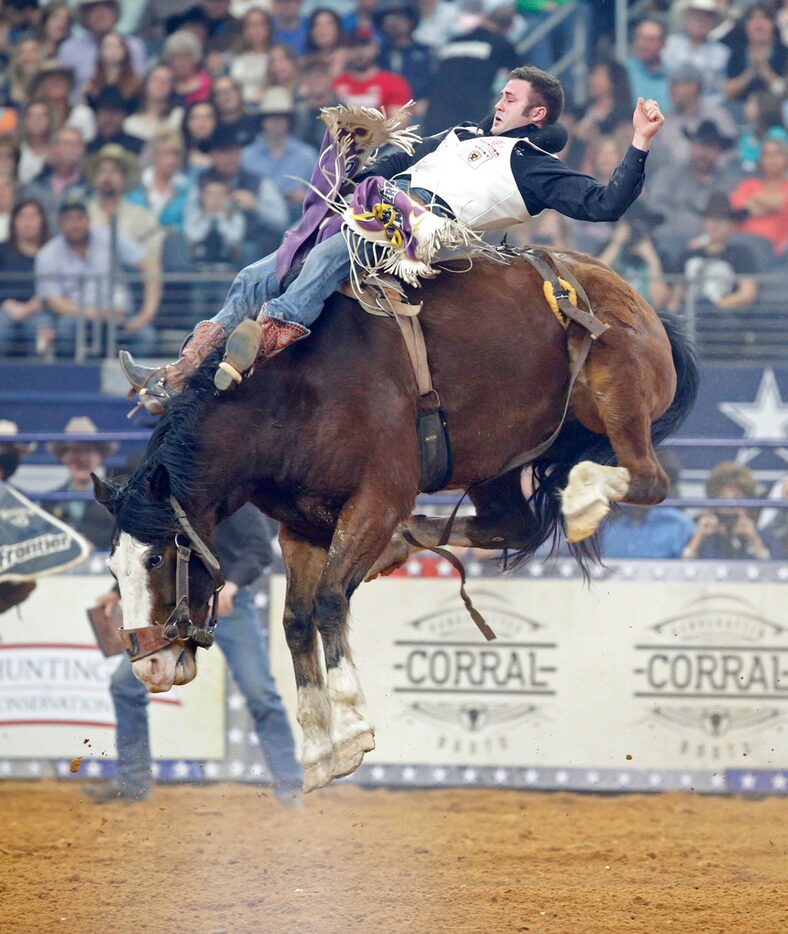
<point x="585" y="522"/>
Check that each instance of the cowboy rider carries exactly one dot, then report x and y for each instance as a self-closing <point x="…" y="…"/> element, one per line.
<point x="488" y="177"/>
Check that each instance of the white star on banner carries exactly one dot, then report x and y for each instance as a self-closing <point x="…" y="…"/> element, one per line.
<point x="439" y="774"/>
<point x="536" y="570"/>
<point x="718" y="780"/>
<point x="782" y="573"/>
<point x="155" y="770"/>
<point x="62" y="768"/>
<point x="500" y="775"/>
<point x="562" y="777"/>
<point x="469" y="775"/>
<point x="655" y="779"/>
<point x="408" y="774"/>
<point x="685" y="780"/>
<point x="93" y="769"/>
<point x="5" y="768"/>
<point x="779" y="782"/>
<point x="748" y="781"/>
<point x="753" y="573"/>
<point x="532" y="776"/>
<point x="181" y="769"/>
<point x="592" y="778"/>
<point x="35" y="768"/>
<point x="236" y="769"/>
<point x="211" y="770"/>
<point x="235" y="701"/>
<point x="378" y="773"/>
<point x="766" y="417"/>
<point x="624" y="778"/>
<point x="235" y="735"/>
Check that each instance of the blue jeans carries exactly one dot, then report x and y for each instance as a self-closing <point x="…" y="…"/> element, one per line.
<point x="244" y="643"/>
<point x="326" y="267"/>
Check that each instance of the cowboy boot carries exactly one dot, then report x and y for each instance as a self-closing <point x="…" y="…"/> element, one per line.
<point x="156" y="387"/>
<point x="253" y="339"/>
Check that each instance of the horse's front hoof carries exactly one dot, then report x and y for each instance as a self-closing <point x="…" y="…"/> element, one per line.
<point x="317" y="774"/>
<point x="349" y="755"/>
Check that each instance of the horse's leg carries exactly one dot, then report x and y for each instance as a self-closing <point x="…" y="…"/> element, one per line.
<point x="304" y="563"/>
<point x="623" y="408"/>
<point x="501" y="521"/>
<point x="365" y="526"/>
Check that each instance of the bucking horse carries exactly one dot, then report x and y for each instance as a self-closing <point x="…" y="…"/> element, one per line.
<point x="323" y="439"/>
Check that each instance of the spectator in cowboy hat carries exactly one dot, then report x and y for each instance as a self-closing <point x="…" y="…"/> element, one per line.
<point x="113" y="172"/>
<point x="12" y="452"/>
<point x="81" y="458"/>
<point x="277" y="154"/>
<point x="97" y="17"/>
<point x="111" y="111"/>
<point x="681" y="189"/>
<point x="693" y="46"/>
<point x="53" y="86"/>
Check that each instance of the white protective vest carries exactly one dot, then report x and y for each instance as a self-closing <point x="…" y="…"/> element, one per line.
<point x="474" y="177"/>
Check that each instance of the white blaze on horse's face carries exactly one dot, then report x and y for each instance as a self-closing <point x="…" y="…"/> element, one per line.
<point x="172" y="665"/>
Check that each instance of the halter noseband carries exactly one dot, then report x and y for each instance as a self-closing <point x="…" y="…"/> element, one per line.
<point x="179" y="627"/>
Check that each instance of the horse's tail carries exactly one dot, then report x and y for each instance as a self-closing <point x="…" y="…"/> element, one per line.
<point x="576" y="443"/>
<point x="685" y="363"/>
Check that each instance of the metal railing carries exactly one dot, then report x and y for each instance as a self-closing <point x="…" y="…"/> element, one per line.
<point x="438" y="500"/>
<point x="758" y="333"/>
<point x="575" y="58"/>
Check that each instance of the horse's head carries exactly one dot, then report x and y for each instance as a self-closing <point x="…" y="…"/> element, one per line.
<point x="168" y="581"/>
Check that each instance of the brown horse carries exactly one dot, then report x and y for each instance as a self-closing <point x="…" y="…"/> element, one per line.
<point x="322" y="438"/>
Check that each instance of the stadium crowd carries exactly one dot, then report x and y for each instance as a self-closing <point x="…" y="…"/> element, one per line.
<point x="173" y="136"/>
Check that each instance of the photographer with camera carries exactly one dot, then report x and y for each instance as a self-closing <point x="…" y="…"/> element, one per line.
<point x="730" y="532"/>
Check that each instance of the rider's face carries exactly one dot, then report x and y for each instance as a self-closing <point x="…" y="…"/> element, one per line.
<point x="517" y="107"/>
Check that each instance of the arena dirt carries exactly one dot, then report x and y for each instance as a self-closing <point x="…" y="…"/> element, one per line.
<point x="226" y="858"/>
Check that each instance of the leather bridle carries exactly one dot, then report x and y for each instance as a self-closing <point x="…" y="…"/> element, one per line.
<point x="179" y="626"/>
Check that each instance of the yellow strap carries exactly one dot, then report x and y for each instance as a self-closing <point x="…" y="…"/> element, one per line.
<point x="549" y="294"/>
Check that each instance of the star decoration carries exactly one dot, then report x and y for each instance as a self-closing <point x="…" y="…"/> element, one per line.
<point x="766" y="417"/>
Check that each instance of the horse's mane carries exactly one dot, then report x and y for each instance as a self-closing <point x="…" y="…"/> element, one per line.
<point x="174" y="447"/>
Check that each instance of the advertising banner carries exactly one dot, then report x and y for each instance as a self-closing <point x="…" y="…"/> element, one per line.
<point x="32" y="542"/>
<point x="54" y="685"/>
<point x="625" y="684"/>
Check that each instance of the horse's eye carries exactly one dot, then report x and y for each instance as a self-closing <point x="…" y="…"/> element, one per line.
<point x="153" y="561"/>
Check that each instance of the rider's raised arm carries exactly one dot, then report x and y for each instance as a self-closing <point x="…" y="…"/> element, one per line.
<point x="545" y="182"/>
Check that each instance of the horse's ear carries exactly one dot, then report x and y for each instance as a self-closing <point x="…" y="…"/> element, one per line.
<point x="103" y="492"/>
<point x="159" y="484"/>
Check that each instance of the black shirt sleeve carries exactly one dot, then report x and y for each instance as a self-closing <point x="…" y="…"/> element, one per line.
<point x="545" y="182"/>
<point x="243" y="545"/>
